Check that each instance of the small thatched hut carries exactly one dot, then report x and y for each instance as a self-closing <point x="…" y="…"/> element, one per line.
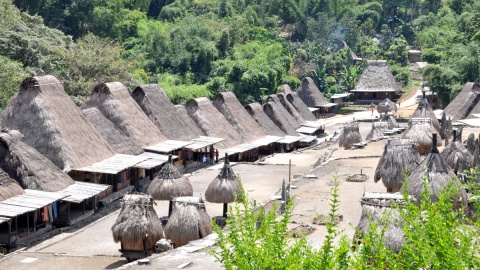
<point x="212" y="122"/>
<point x="421" y="135"/>
<point x="114" y="101"/>
<point x="225" y="188"/>
<point x="377" y="130"/>
<point x="456" y="155"/>
<point x="54" y="125"/>
<point x="137" y="227"/>
<point x="300" y="106"/>
<point x="289" y="107"/>
<point x="169" y="184"/>
<point x="399" y="157"/>
<point x="281" y="118"/>
<point x="435" y="173"/>
<point x="270" y="128"/>
<point x="8" y="187"/>
<point x="310" y="94"/>
<point x="386" y="106"/>
<point x="189" y="221"/>
<point x="376" y="82"/>
<point x="377" y="209"/>
<point x="462" y="105"/>
<point x="28" y="167"/>
<point x="119" y="142"/>
<point x="228" y="104"/>
<point x="161" y="111"/>
<point x="390" y="120"/>
<point x="350" y="135"/>
<point x="424" y="110"/>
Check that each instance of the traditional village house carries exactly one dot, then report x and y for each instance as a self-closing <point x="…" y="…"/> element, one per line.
<point x="463" y="104"/>
<point x="424" y="110"/>
<point x="350" y="135"/>
<point x="311" y="95"/>
<point x="420" y="132"/>
<point x="386" y="106"/>
<point x="376" y="83"/>
<point x="456" y="155"/>
<point x="300" y="106"/>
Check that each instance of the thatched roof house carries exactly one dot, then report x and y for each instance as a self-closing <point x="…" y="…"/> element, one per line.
<point x="54" y="125"/>
<point x="350" y="135"/>
<point x="28" y="167"/>
<point x="382" y="210"/>
<point x="228" y="104"/>
<point x="376" y="82"/>
<point x="294" y="118"/>
<point x="424" y="110"/>
<point x="289" y="107"/>
<point x="187" y="121"/>
<point x="456" y="155"/>
<point x="386" y="106"/>
<point x="300" y="106"/>
<point x="399" y="157"/>
<point x="137" y="227"/>
<point x="161" y="111"/>
<point x="225" y="188"/>
<point x="116" y="104"/>
<point x="119" y="142"/>
<point x="284" y="89"/>
<point x="270" y="128"/>
<point x="435" y="173"/>
<point x="189" y="221"/>
<point x="462" y="105"/>
<point x="310" y="94"/>
<point x="281" y="118"/>
<point x="169" y="183"/>
<point x="212" y="122"/>
<point x="421" y="135"/>
<point x="377" y="130"/>
<point x="8" y="187"/>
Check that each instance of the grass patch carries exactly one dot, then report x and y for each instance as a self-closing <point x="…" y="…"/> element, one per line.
<point x="351" y="109"/>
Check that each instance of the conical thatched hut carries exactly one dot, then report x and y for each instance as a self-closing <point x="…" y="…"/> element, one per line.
<point x="424" y="110"/>
<point x="390" y="120"/>
<point x="284" y="89"/>
<point x="295" y="120"/>
<point x="462" y="105"/>
<point x="228" y="104"/>
<point x="421" y="135"/>
<point x="310" y="94"/>
<point x="137" y="227"/>
<point x="435" y="173"/>
<point x="376" y="82"/>
<point x="399" y="156"/>
<point x="119" y="142"/>
<point x="377" y="130"/>
<point x="386" y="106"/>
<point x="225" y="188"/>
<point x="8" y="187"/>
<point x="28" y="167"/>
<point x="189" y="221"/>
<point x="169" y="184"/>
<point x="289" y="107"/>
<point x="281" y="118"/>
<point x="377" y="209"/>
<point x="161" y="111"/>
<point x="54" y="125"/>
<point x="456" y="155"/>
<point x="212" y="122"/>
<point x="301" y="107"/>
<point x="270" y="128"/>
<point x="350" y="135"/>
<point x="116" y="104"/>
<point x="186" y="120"/>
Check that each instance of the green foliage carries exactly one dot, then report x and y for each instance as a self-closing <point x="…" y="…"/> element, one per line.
<point x="11" y="75"/>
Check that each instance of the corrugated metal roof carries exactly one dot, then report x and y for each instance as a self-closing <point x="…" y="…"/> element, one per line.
<point x="82" y="190"/>
<point x="153" y="161"/>
<point x="167" y="146"/>
<point x="30" y="201"/>
<point x="289" y="139"/>
<point x="115" y="164"/>
<point x="307" y="130"/>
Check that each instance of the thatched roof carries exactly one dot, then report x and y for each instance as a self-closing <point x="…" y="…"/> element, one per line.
<point x="188" y="121"/>
<point x="212" y="122"/>
<point x="281" y="118"/>
<point x="398" y="156"/>
<point x="119" y="142"/>
<point x="301" y="107"/>
<point x="169" y="183"/>
<point x="116" y="104"/>
<point x="376" y="77"/>
<point x="377" y="209"/>
<point x="54" y="125"/>
<point x="386" y="105"/>
<point x="310" y="94"/>
<point x="289" y="107"/>
<point x="390" y="120"/>
<point x="350" y="135"/>
<point x="420" y="134"/>
<point x="8" y="187"/>
<point x="28" y="167"/>
<point x="462" y="105"/>
<point x="189" y="221"/>
<point x="161" y="111"/>
<point x="270" y="128"/>
<point x="424" y="110"/>
<point x="377" y="130"/>
<point x="137" y="221"/>
<point x="456" y="155"/>
<point x="228" y="104"/>
<point x="284" y="89"/>
<point x="471" y="143"/>
<point x="225" y="188"/>
<point x="295" y="120"/>
<point x="435" y="173"/>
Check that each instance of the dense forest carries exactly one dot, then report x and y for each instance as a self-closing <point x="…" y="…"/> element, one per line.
<point x="196" y="48"/>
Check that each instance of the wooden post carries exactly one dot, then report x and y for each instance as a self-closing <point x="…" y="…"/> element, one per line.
<point x="28" y="223"/>
<point x="289" y="170"/>
<point x="225" y="209"/>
